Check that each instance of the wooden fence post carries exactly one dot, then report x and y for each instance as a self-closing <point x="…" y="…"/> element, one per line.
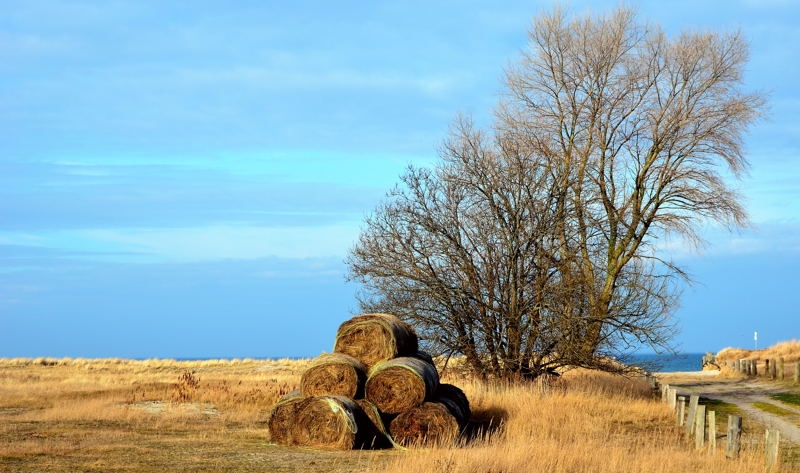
<point x="773" y="440"/>
<point x="693" y="400"/>
<point x="755" y="368"/>
<point x="672" y="397"/>
<point x="774" y="373"/>
<point x="652" y="381"/>
<point x="766" y="366"/>
<point x="797" y="372"/>
<point x="781" y="373"/>
<point x="664" y="389"/>
<point x="680" y="412"/>
<point x="712" y="432"/>
<point x="700" y="427"/>
<point x="734" y="437"/>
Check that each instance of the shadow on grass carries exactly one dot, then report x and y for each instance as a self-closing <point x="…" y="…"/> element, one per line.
<point x="484" y="423"/>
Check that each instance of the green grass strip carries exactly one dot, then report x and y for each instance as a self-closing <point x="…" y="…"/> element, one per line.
<point x="787" y="398"/>
<point x="772" y="409"/>
<point x="722" y="408"/>
<point x="715" y="404"/>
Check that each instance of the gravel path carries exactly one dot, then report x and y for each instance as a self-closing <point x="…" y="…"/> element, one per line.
<point x="743" y="393"/>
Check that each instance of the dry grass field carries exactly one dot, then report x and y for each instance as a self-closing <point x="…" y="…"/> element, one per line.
<point x="112" y="415"/>
<point x="788" y="350"/>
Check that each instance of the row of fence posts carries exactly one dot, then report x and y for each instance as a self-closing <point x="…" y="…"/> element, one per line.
<point x="773" y="368"/>
<point x="702" y="424"/>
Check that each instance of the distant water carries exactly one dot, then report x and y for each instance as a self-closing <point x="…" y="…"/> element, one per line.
<point x="668" y="362"/>
<point x="650" y="361"/>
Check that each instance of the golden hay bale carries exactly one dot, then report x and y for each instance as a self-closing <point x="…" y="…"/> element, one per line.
<point x="429" y="424"/>
<point x="400" y="384"/>
<point x="282" y="416"/>
<point x="332" y="422"/>
<point x="373" y="338"/>
<point x="334" y="374"/>
<point x="454" y="399"/>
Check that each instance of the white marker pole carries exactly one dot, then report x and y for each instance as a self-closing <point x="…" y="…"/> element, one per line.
<point x="755" y="338"/>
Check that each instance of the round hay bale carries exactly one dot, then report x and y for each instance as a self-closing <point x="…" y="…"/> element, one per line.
<point x="334" y="374"/>
<point x="333" y="423"/>
<point x="400" y="384"/>
<point x="430" y="424"/>
<point x="454" y="399"/>
<point x="282" y="416"/>
<point x="373" y="338"/>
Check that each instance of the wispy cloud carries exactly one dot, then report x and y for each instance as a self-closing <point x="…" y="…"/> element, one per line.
<point x="221" y="242"/>
<point x="190" y="244"/>
<point x="272" y="189"/>
<point x="765" y="238"/>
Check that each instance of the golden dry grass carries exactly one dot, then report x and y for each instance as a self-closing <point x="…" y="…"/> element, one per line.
<point x="587" y="422"/>
<point x="788" y="350"/>
<point x="164" y="415"/>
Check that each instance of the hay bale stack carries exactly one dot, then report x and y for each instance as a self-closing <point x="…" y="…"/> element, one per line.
<point x="377" y="390"/>
<point x="400" y="384"/>
<point x="282" y="416"/>
<point x="373" y="338"/>
<point x="333" y="423"/>
<point x="334" y="374"/>
<point x="430" y="424"/>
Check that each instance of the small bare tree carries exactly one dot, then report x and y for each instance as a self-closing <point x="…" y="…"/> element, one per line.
<point x="534" y="246"/>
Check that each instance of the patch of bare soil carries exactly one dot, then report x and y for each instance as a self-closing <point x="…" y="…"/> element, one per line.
<point x="744" y="393"/>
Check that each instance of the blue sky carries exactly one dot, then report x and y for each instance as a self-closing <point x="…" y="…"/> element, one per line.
<point x="184" y="179"/>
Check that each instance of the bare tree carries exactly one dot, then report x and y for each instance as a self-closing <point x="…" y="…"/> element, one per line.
<point x="535" y="246"/>
<point x="465" y="252"/>
<point x="643" y="126"/>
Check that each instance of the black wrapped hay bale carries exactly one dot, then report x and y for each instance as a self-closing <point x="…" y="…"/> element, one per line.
<point x="454" y="399"/>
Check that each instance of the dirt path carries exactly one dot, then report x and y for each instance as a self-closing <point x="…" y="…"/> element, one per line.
<point x="743" y="393"/>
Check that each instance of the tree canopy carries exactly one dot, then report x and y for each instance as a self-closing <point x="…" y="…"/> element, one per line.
<point x="533" y="245"/>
